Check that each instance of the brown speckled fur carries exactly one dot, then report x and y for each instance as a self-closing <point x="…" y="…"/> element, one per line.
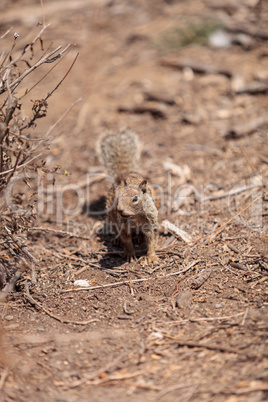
<point x="131" y="203"/>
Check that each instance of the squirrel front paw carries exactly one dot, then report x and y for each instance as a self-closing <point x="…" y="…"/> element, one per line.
<point x="130" y="255"/>
<point x="152" y="258"/>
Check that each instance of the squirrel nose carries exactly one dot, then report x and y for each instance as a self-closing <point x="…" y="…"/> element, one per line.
<point x="120" y="208"/>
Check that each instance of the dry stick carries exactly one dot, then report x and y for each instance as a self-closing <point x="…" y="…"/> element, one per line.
<point x="159" y="97"/>
<point x="61" y="81"/>
<point x="247" y="128"/>
<point x="263" y="279"/>
<point x="108" y="285"/>
<point x="175" y="230"/>
<point x="129" y="282"/>
<point x="71" y="257"/>
<point x="209" y="347"/>
<point x="27" y="47"/>
<point x="20" y="166"/>
<point x="174" y="388"/>
<point x="196" y="66"/>
<point x="41" y="79"/>
<point x="43" y="13"/>
<point x="227" y="317"/>
<point x="15" y="167"/>
<point x="201" y="278"/>
<point x="6" y="33"/>
<point x="244" y="318"/>
<point x="126" y="383"/>
<point x="155" y="110"/>
<point x="254" y="87"/>
<point x="57" y="231"/>
<point x="242" y="391"/>
<point x="192" y="264"/>
<point x="62" y="320"/>
<point x="45" y="59"/>
<point x="120" y="381"/>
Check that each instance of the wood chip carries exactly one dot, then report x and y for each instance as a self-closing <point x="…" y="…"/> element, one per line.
<point x="201" y="278"/>
<point x="176" y="231"/>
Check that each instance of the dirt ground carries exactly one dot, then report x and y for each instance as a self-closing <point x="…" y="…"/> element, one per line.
<point x="144" y="332"/>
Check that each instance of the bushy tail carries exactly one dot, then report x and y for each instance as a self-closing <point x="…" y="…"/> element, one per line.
<point x="119" y="152"/>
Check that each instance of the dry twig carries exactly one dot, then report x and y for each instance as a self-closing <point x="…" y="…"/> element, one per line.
<point x="201" y="278"/>
<point x="197" y="67"/>
<point x="247" y="128"/>
<point x="35" y="303"/>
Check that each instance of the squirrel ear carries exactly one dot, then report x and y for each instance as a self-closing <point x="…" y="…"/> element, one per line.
<point x="143" y="186"/>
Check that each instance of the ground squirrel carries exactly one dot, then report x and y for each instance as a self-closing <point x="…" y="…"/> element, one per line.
<point x="131" y="202"/>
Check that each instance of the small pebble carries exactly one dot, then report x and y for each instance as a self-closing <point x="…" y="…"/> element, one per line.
<point x="218" y="305"/>
<point x="82" y="282"/>
<point x="220" y="39"/>
<point x="9" y="317"/>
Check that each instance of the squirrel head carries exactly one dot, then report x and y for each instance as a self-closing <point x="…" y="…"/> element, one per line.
<point x="130" y="199"/>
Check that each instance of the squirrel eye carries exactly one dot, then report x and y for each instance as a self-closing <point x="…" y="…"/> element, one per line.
<point x="135" y="198"/>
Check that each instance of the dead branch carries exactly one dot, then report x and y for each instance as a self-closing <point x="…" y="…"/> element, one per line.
<point x="20" y="166"/>
<point x="201" y="278"/>
<point x="253" y="88"/>
<point x="16" y="151"/>
<point x="155" y="109"/>
<point x="157" y="96"/>
<point x="35" y="303"/>
<point x="28" y="46"/>
<point x="219" y="348"/>
<point x="178" y="232"/>
<point x="45" y="59"/>
<point x="129" y="282"/>
<point x="241" y="130"/>
<point x="175" y="388"/>
<point x="57" y="232"/>
<point x="197" y="67"/>
<point x="6" y="33"/>
<point x="66" y="74"/>
<point x="108" y="285"/>
<point x="191" y="265"/>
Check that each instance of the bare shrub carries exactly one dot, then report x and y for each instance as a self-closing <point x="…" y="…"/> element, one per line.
<point x="20" y="150"/>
